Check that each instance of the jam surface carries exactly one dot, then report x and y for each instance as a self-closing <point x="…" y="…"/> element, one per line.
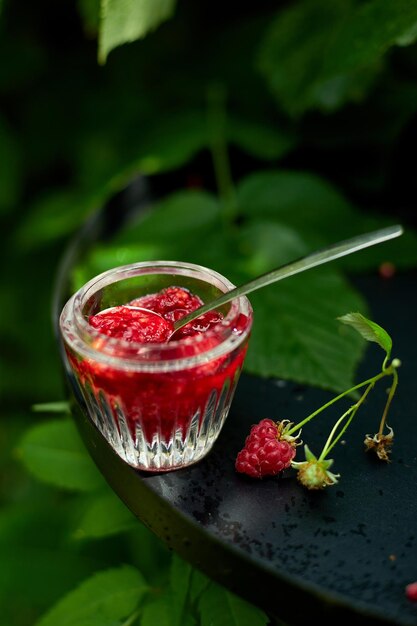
<point x="132" y="323"/>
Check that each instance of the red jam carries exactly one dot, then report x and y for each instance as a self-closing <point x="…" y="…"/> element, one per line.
<point x="163" y="403"/>
<point x="131" y="323"/>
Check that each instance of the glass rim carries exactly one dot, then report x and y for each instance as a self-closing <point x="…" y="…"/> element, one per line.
<point x="151" y="357"/>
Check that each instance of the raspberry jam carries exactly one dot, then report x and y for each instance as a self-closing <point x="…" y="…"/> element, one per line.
<point x="159" y="402"/>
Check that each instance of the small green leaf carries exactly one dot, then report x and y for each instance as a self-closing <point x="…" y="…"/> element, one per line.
<point x="123" y="21"/>
<point x="105" y="515"/>
<point x="104" y="599"/>
<point x="309" y="455"/>
<point x="54" y="453"/>
<point x="219" y="607"/>
<point x="369" y="330"/>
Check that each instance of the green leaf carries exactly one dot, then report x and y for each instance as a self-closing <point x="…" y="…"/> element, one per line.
<point x="171" y="141"/>
<point x="54" y="453"/>
<point x="180" y="577"/>
<point x="54" y="215"/>
<point x="123" y="21"/>
<point x="286" y="215"/>
<point x="183" y="214"/>
<point x="104" y="257"/>
<point x="259" y="139"/>
<point x="318" y="54"/>
<point x="320" y="215"/>
<point x="267" y="244"/>
<point x="157" y="612"/>
<point x="295" y="334"/>
<point x="301" y="200"/>
<point x="104" y="599"/>
<point x="294" y="51"/>
<point x="149" y="554"/>
<point x="372" y="29"/>
<point x="37" y="563"/>
<point x="164" y="144"/>
<point x="169" y="230"/>
<point x="369" y="330"/>
<point x="219" y="607"/>
<point x="310" y="457"/>
<point x="105" y="515"/>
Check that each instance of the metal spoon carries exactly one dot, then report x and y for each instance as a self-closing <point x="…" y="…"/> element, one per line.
<point x="329" y="253"/>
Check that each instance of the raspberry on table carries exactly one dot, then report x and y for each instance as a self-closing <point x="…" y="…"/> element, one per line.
<point x="266" y="452"/>
<point x="411" y="591"/>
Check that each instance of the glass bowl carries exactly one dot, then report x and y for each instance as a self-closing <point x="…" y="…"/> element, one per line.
<point x="161" y="406"/>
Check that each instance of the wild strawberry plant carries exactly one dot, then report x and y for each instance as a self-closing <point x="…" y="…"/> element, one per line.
<point x="270" y="447"/>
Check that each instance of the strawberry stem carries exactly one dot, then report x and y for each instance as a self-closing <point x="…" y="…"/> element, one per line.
<point x="351" y="412"/>
<point x="219" y="151"/>
<point x="389" y="400"/>
<point x="385" y="372"/>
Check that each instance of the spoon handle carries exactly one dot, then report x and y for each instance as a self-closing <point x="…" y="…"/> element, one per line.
<point x="330" y="253"/>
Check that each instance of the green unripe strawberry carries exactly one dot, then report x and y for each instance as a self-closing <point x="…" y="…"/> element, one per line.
<point x="314" y="473"/>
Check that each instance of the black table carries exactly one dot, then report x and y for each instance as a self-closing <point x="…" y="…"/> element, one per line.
<point x="343" y="553"/>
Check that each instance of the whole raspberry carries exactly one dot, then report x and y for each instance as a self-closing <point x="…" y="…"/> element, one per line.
<point x="268" y="450"/>
<point x="169" y="301"/>
<point x="132" y="325"/>
<point x="411" y="591"/>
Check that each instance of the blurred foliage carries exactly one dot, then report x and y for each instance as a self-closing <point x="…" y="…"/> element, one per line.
<point x="263" y="133"/>
<point x="155" y="588"/>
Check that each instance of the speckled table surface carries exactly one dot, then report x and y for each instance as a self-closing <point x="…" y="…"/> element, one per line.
<point x="346" y="552"/>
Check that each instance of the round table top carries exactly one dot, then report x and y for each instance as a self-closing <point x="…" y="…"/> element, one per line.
<point x="344" y="552"/>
